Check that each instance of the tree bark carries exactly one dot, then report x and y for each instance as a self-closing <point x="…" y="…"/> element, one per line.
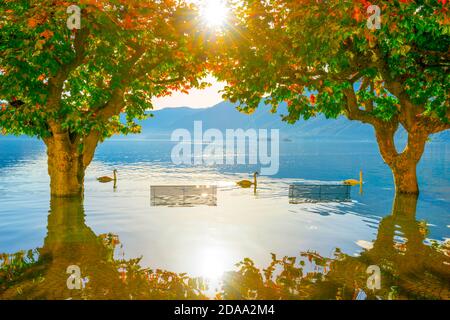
<point x="411" y="116"/>
<point x="405" y="176"/>
<point x="67" y="162"/>
<point x="403" y="165"/>
<point x="65" y="167"/>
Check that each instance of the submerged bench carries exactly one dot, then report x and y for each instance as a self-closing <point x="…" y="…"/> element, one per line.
<point x="301" y="193"/>
<point x="183" y="196"/>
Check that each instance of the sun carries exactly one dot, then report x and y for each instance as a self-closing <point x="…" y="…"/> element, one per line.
<point x="214" y="12"/>
<point x="213" y="262"/>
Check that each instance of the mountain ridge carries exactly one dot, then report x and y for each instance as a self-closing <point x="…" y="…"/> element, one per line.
<point x="224" y="116"/>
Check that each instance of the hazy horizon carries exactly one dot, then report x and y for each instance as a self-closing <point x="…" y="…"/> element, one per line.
<point x="196" y="99"/>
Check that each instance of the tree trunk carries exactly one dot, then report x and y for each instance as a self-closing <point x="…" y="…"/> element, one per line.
<point x="65" y="167"/>
<point x="67" y="162"/>
<point x="405" y="176"/>
<point x="403" y="165"/>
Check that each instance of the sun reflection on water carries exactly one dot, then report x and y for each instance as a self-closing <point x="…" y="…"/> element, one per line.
<point x="213" y="263"/>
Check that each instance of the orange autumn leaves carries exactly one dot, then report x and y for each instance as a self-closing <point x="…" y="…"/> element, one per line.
<point x="37" y="19"/>
<point x="40" y="13"/>
<point x="33" y="22"/>
<point x="47" y="34"/>
<point x="44" y="37"/>
<point x="360" y="15"/>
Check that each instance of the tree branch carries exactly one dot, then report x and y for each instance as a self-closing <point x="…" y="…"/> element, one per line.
<point x="352" y="110"/>
<point x="89" y="145"/>
<point x="56" y="83"/>
<point x="385" y="133"/>
<point x="433" y="125"/>
<point x="114" y="105"/>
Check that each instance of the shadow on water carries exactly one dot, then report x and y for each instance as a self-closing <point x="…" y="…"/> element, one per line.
<point x="410" y="267"/>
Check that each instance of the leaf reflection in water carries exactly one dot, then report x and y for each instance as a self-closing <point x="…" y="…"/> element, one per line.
<point x="410" y="269"/>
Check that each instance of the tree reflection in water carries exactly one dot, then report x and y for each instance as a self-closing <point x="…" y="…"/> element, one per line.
<point x="410" y="269"/>
<point x="41" y="274"/>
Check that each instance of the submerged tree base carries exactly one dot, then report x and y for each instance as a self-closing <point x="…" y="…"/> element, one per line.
<point x="67" y="162"/>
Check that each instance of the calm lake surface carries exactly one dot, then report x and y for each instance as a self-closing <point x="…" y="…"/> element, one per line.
<point x="207" y="241"/>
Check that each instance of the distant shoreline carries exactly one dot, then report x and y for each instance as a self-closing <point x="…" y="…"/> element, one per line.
<point x="166" y="138"/>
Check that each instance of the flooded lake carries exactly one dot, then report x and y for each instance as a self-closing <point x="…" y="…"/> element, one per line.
<point x="197" y="222"/>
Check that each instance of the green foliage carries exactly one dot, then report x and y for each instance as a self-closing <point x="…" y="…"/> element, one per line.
<point x="307" y="53"/>
<point x="126" y="53"/>
<point x="14" y="266"/>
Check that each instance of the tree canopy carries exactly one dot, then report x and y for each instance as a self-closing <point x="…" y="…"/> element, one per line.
<point x="324" y="57"/>
<point x="125" y="53"/>
<point x="307" y="53"/>
<point x="70" y="87"/>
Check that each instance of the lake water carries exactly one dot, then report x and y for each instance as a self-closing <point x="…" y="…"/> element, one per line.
<point x="407" y="240"/>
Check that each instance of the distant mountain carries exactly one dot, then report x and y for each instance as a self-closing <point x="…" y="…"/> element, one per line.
<point x="225" y="116"/>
